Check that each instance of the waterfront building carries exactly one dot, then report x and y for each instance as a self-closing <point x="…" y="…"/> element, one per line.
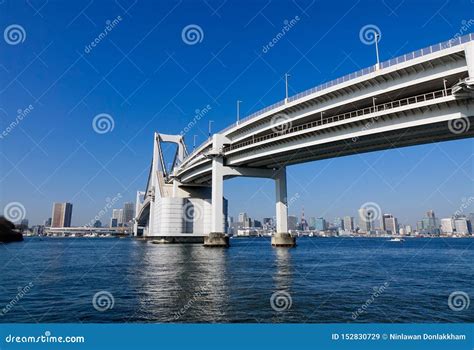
<point x="292" y="222"/>
<point x="461" y="226"/>
<point x="447" y="226"/>
<point x="320" y="225"/>
<point x="243" y="218"/>
<point x="338" y="223"/>
<point x="128" y="213"/>
<point x="389" y="224"/>
<point x="113" y="222"/>
<point x="268" y="224"/>
<point x="366" y="222"/>
<point x="118" y="214"/>
<point x="24" y="223"/>
<point x="47" y="222"/>
<point x="312" y="223"/>
<point x="349" y="223"/>
<point x="62" y="214"/>
<point x="97" y="223"/>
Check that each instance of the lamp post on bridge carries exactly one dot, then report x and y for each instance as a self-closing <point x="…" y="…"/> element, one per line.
<point x="210" y="124"/>
<point x="377" y="38"/>
<point x="194" y="142"/>
<point x="287" y="75"/>
<point x="445" y="89"/>
<point x="238" y="111"/>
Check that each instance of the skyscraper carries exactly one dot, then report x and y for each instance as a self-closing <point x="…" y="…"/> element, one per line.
<point x="389" y="224"/>
<point x="366" y="223"/>
<point x="461" y="226"/>
<point x="118" y="215"/>
<point x="348" y="223"/>
<point x="320" y="224"/>
<point x="62" y="213"/>
<point x="447" y="226"/>
<point x="128" y="212"/>
<point x="243" y="218"/>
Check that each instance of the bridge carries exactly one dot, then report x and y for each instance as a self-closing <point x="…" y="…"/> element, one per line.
<point x="421" y="97"/>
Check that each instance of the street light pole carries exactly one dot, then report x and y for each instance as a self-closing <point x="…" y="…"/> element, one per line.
<point x="194" y="142"/>
<point x="238" y="111"/>
<point x="210" y="124"/>
<point x="373" y="102"/>
<point x="377" y="37"/>
<point x="445" y="89"/>
<point x="286" y="86"/>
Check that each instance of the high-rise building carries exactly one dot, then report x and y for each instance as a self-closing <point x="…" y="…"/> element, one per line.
<point x="447" y="226"/>
<point x="461" y="226"/>
<point x="244" y="219"/>
<point x="128" y="213"/>
<point x="292" y="222"/>
<point x="118" y="214"/>
<point x="24" y="223"/>
<point x="303" y="224"/>
<point x="320" y="224"/>
<point x="349" y="223"/>
<point x="312" y="223"/>
<point x="389" y="224"/>
<point x="47" y="223"/>
<point x="268" y="224"/>
<point x="338" y="223"/>
<point x="366" y="222"/>
<point x="62" y="214"/>
<point x="113" y="222"/>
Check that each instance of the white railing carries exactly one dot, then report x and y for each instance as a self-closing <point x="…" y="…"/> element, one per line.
<point x="407" y="57"/>
<point x="288" y="129"/>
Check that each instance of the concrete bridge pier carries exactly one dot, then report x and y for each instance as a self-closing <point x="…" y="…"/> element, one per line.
<point x="217" y="237"/>
<point x="282" y="238"/>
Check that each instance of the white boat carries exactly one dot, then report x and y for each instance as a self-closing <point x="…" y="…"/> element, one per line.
<point x="396" y="239"/>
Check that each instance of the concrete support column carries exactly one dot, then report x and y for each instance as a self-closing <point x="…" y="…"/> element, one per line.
<point x="469" y="51"/>
<point x="216" y="237"/>
<point x="281" y="201"/>
<point x="282" y="238"/>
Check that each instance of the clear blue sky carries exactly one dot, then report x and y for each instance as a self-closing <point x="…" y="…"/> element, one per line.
<point x="148" y="79"/>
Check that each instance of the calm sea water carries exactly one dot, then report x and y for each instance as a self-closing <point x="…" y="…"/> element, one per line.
<point x="322" y="280"/>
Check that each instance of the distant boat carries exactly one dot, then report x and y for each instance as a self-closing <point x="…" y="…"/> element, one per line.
<point x="396" y="239"/>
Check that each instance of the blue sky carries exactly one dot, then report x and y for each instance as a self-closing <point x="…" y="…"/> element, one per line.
<point x="148" y="79"/>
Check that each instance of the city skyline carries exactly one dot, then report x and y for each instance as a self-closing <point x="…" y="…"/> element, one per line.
<point x="55" y="154"/>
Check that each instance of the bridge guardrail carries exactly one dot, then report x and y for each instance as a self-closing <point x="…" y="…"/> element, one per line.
<point x="357" y="113"/>
<point x="385" y="64"/>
